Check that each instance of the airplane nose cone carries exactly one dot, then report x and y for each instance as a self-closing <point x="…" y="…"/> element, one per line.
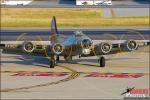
<point x="86" y="43"/>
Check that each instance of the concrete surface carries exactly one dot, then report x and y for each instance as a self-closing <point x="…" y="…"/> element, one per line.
<point x="74" y="85"/>
<point x="125" y="12"/>
<point x="95" y="34"/>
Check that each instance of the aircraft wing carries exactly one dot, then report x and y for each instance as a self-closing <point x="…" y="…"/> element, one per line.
<point x="45" y="48"/>
<point x="101" y="47"/>
<point x="116" y="46"/>
<point x="28" y="47"/>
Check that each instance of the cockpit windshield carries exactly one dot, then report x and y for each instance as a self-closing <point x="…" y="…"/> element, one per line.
<point x="78" y="33"/>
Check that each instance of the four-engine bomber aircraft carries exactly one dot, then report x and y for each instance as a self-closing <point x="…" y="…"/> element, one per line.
<point x="78" y="44"/>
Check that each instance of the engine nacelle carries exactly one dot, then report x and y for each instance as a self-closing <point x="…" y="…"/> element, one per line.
<point x="129" y="45"/>
<point x="105" y="47"/>
<point x="29" y="46"/>
<point x="58" y="48"/>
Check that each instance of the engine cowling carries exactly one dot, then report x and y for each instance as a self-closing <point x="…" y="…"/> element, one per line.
<point x="58" y="48"/>
<point x="129" y="45"/>
<point x="105" y="47"/>
<point x="29" y="46"/>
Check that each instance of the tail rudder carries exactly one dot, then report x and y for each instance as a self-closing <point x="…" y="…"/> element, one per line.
<point x="54" y="30"/>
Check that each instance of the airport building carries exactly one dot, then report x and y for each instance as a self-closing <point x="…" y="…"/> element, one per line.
<point x="15" y="2"/>
<point x="78" y="2"/>
<point x="74" y="2"/>
<point x="93" y="2"/>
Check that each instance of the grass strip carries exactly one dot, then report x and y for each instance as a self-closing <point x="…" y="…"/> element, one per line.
<point x="66" y="17"/>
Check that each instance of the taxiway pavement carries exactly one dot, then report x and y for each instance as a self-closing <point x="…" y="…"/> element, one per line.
<point x="95" y="34"/>
<point x="17" y="81"/>
<point x="29" y="77"/>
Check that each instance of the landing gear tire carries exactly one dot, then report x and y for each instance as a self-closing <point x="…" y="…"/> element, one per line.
<point x="102" y="62"/>
<point x="52" y="63"/>
<point x="57" y="58"/>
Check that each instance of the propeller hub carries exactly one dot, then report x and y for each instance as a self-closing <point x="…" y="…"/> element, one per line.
<point x="131" y="45"/>
<point x="105" y="47"/>
<point x="57" y="48"/>
<point x="28" y="47"/>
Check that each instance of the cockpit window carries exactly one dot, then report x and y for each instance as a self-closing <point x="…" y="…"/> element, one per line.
<point x="78" y="33"/>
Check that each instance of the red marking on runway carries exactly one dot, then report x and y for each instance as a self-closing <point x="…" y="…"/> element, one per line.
<point x="39" y="74"/>
<point x="116" y="75"/>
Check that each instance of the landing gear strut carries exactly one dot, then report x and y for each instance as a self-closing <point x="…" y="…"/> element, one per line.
<point x="102" y="61"/>
<point x="52" y="62"/>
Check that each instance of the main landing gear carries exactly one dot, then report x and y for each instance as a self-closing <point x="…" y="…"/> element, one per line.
<point x="102" y="61"/>
<point x="53" y="61"/>
<point x="57" y="58"/>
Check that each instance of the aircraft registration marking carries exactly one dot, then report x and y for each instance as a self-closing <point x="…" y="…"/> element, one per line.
<point x="40" y="74"/>
<point x="116" y="75"/>
<point x="71" y="75"/>
<point x="86" y="74"/>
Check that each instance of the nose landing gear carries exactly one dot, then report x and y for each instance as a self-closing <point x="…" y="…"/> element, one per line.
<point x="53" y="61"/>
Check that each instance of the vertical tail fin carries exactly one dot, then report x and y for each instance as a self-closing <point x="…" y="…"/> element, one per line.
<point x="54" y="31"/>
